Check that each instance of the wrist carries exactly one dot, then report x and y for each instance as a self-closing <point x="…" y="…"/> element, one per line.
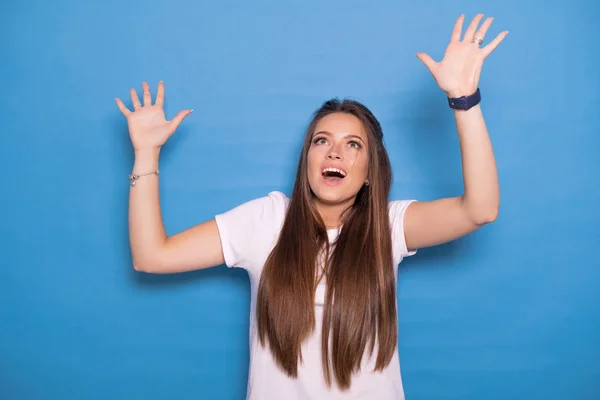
<point x="146" y="159"/>
<point x="147" y="152"/>
<point x="465" y="115"/>
<point x="464" y="102"/>
<point x="456" y="93"/>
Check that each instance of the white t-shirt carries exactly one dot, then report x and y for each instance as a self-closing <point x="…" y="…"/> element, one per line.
<point x="248" y="234"/>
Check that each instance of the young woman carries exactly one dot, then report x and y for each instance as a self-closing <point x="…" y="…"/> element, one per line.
<point x="323" y="263"/>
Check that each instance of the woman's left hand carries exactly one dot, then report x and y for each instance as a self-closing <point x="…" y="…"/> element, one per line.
<point x="458" y="72"/>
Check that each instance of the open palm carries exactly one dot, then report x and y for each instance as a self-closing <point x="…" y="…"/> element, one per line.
<point x="458" y="72"/>
<point x="148" y="127"/>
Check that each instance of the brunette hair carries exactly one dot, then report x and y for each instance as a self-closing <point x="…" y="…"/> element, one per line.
<point x="360" y="305"/>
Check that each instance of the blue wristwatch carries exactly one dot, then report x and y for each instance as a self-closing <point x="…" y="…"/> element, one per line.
<point x="465" y="102"/>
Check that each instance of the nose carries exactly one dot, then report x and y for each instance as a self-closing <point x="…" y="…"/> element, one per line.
<point x="333" y="154"/>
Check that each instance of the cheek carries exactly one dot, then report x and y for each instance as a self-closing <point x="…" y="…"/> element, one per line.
<point x="310" y="166"/>
<point x="364" y="170"/>
<point x="313" y="158"/>
<point x="365" y="165"/>
<point x="359" y="163"/>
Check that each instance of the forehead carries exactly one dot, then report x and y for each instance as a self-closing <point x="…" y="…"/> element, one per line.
<point x="341" y="124"/>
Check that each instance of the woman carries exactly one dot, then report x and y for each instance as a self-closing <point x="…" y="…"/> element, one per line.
<point x="323" y="263"/>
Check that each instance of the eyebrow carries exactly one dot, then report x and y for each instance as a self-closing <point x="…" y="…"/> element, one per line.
<point x="345" y="137"/>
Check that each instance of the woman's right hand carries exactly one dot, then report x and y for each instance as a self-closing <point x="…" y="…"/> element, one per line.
<point x="148" y="128"/>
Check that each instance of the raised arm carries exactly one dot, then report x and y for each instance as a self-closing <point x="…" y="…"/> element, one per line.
<point x="440" y="221"/>
<point x="152" y="251"/>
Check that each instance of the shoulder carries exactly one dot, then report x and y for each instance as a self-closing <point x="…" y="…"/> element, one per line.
<point x="274" y="203"/>
<point x="265" y="210"/>
<point x="248" y="230"/>
<point x="274" y="206"/>
<point x="397" y="210"/>
<point x="278" y="199"/>
<point x="275" y="199"/>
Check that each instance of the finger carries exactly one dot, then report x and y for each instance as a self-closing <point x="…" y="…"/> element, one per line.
<point x="484" y="28"/>
<point x="458" y="26"/>
<point x="179" y="118"/>
<point x="487" y="50"/>
<point x="122" y="107"/>
<point x="160" y="94"/>
<point x="147" y="94"/>
<point x="470" y="33"/>
<point x="134" y="99"/>
<point x="428" y="61"/>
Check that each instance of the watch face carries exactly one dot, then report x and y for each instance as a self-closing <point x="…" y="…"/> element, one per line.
<point x="458" y="103"/>
<point x="465" y="102"/>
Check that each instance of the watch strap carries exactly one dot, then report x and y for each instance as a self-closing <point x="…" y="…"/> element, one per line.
<point x="465" y="102"/>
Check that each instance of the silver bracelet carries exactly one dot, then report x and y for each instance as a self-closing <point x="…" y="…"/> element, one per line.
<point x="135" y="177"/>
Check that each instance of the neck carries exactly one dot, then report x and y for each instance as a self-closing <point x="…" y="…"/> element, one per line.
<point x="331" y="213"/>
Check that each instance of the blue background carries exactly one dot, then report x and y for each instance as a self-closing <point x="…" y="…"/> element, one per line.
<point x="510" y="311"/>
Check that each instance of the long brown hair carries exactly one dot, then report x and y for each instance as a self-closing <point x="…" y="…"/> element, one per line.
<point x="360" y="305"/>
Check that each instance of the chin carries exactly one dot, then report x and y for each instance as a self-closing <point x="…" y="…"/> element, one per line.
<point x="333" y="194"/>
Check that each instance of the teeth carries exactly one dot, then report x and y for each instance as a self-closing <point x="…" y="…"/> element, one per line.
<point x="334" y="170"/>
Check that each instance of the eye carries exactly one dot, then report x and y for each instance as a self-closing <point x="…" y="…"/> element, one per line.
<point x="320" y="140"/>
<point x="355" y="144"/>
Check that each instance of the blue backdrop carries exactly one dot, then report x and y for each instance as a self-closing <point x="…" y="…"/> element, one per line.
<point x="510" y="311"/>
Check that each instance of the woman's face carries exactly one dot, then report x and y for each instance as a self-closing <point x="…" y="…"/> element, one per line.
<point x="338" y="158"/>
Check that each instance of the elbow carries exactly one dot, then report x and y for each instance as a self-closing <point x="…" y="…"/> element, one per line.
<point x="147" y="261"/>
<point x="144" y="266"/>
<point x="139" y="267"/>
<point x="481" y="212"/>
<point x="486" y="217"/>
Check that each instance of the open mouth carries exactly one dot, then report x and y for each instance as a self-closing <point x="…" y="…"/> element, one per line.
<point x="333" y="175"/>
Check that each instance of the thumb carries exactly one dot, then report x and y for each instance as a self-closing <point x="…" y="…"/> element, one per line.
<point x="427" y="60"/>
<point x="179" y="118"/>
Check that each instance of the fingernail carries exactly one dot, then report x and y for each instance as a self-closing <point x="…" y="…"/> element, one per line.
<point x="192" y="110"/>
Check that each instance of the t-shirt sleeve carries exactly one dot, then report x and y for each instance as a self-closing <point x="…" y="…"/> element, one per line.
<point x="246" y="229"/>
<point x="397" y="212"/>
